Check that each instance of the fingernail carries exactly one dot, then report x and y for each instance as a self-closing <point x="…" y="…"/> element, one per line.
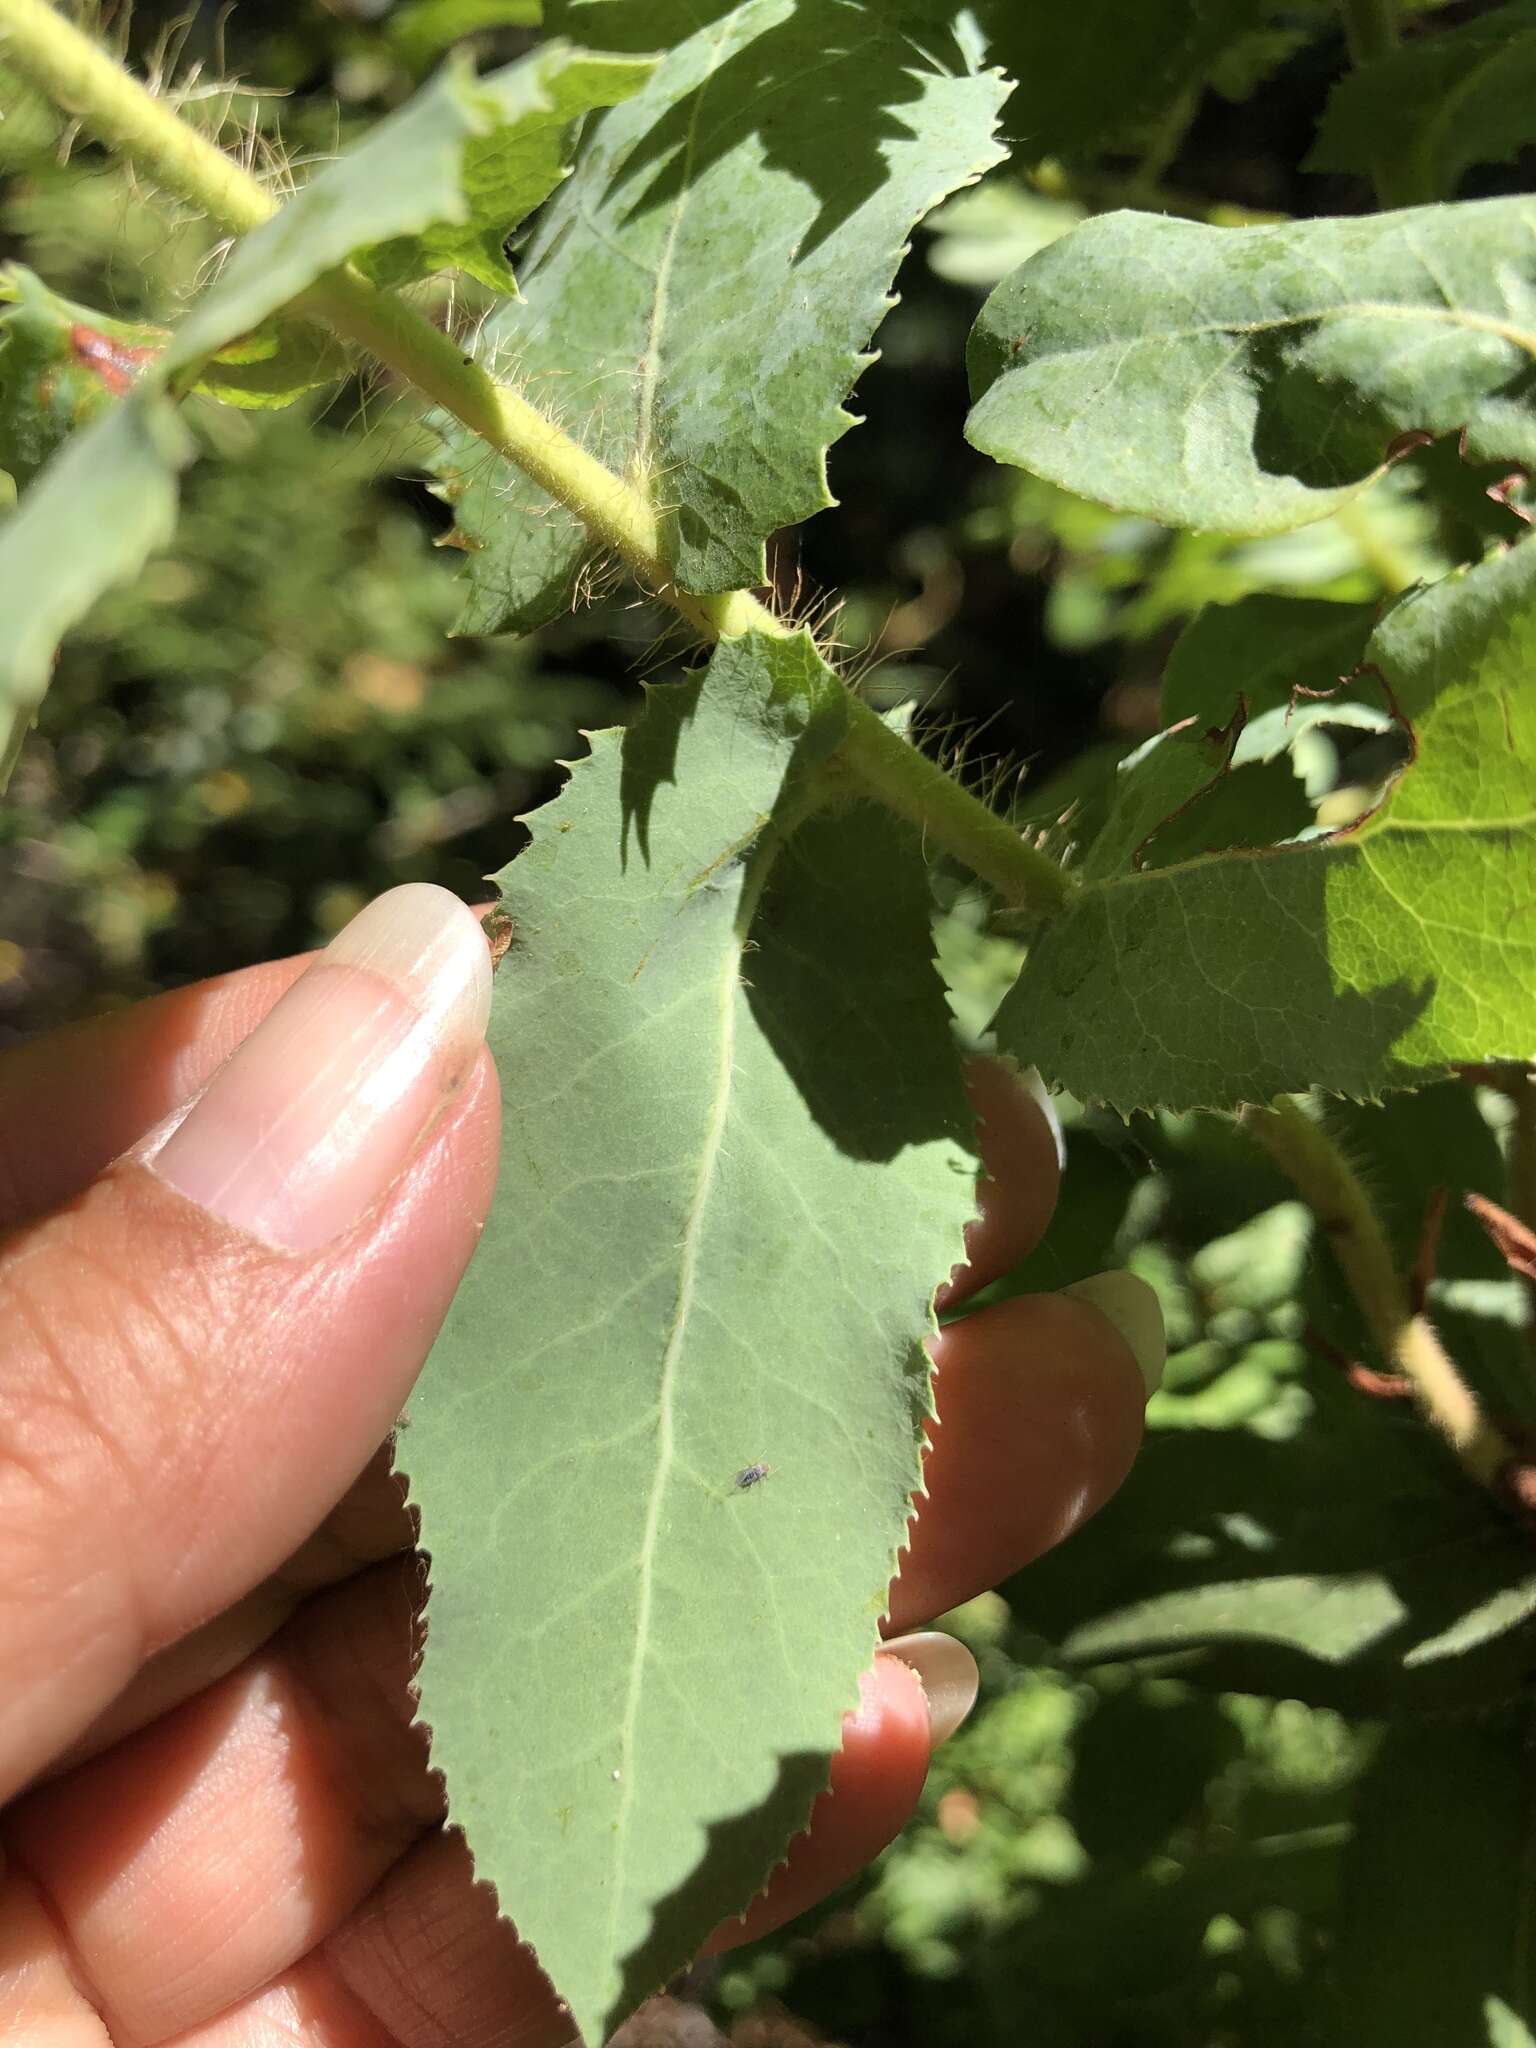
<point x="1134" y="1310"/>
<point x="1034" y="1085"/>
<point x="946" y="1671"/>
<point x="308" y="1122"/>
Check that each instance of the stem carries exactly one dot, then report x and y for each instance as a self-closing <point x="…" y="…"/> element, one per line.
<point x="84" y="80"/>
<point x="886" y="766"/>
<point x="1408" y="1342"/>
<point x="151" y="136"/>
<point x="614" y="513"/>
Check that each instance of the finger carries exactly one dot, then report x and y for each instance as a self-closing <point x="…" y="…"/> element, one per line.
<point x="203" y="1351"/>
<point x="370" y="1523"/>
<point x="193" y="1864"/>
<point x="75" y="1099"/>
<point x="429" y="1956"/>
<point x="305" y="2008"/>
<point x="201" y="1860"/>
<point x="876" y="1782"/>
<point x="1040" y="1403"/>
<point x="1020" y="1142"/>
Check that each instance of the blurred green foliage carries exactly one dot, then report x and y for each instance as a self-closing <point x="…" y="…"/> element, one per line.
<point x="1136" y="1842"/>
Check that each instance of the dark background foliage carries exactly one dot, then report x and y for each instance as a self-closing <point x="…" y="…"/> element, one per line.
<point x="1130" y="1845"/>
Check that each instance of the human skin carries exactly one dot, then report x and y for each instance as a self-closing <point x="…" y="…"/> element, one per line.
<point x="219" y="1826"/>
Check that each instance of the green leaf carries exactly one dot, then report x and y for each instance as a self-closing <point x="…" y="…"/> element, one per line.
<point x="1141" y="1768"/>
<point x="98" y="511"/>
<point x="1371" y="958"/>
<point x="60" y="365"/>
<point x="758" y="192"/>
<point x="422" y="30"/>
<point x="732" y="1175"/>
<point x="273" y="367"/>
<point x="90" y="521"/>
<point x="1338" y="1558"/>
<point x="1247" y="380"/>
<point x="1436" y="1936"/>
<point x="1092" y="73"/>
<point x="513" y="167"/>
<point x="1437" y="106"/>
<point x="1264" y="649"/>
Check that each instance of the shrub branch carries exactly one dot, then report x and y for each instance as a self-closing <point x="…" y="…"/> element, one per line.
<point x="1406" y="1339"/>
<point x="87" y="83"/>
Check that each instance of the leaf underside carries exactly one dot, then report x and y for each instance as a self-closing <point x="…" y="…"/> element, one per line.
<point x="757" y="193"/>
<point x="1248" y="380"/>
<point x="733" y="1169"/>
<point x="1367" y="960"/>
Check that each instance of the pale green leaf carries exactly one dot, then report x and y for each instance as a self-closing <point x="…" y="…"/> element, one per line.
<point x="1247" y="380"/>
<point x="90" y="520"/>
<point x="405" y="178"/>
<point x="1437" y="105"/>
<point x="60" y="365"/>
<point x="1372" y="958"/>
<point x="1505" y="2028"/>
<point x="421" y="30"/>
<point x="100" y="508"/>
<point x="732" y="1173"/>
<point x="758" y="192"/>
<point x="513" y="167"/>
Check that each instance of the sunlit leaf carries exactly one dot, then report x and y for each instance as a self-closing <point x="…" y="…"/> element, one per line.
<point x="1247" y="380"/>
<point x="1437" y="105"/>
<point x="732" y="1174"/>
<point x="760" y="192"/>
<point x="1353" y="962"/>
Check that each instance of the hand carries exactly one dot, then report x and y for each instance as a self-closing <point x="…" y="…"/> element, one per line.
<point x="222" y="1827"/>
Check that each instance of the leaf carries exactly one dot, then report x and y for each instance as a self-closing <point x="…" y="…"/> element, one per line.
<point x="1372" y="958"/>
<point x="1450" y="1808"/>
<point x="100" y="509"/>
<point x="758" y="192"/>
<point x="514" y="166"/>
<point x="91" y="520"/>
<point x="273" y="367"/>
<point x="422" y="30"/>
<point x="731" y="1177"/>
<point x="1141" y="1768"/>
<point x="1340" y="1559"/>
<point x="60" y="365"/>
<point x="1091" y="74"/>
<point x="1248" y="380"/>
<point x="1437" y="105"/>
<point x="1264" y="649"/>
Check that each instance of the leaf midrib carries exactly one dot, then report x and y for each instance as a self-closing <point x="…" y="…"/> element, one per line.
<point x="688" y="1265"/>
<point x="1450" y="316"/>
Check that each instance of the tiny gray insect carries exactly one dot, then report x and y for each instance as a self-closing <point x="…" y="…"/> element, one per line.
<point x="752" y="1475"/>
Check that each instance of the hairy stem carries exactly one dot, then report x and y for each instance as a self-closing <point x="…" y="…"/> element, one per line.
<point x="1406" y="1341"/>
<point x="886" y="766"/>
<point x="150" y="135"/>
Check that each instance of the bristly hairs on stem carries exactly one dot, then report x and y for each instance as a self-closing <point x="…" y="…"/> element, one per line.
<point x="71" y="70"/>
<point x="1407" y="1341"/>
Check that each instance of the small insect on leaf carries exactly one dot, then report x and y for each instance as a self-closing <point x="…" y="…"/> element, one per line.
<point x="500" y="930"/>
<point x="751" y="1476"/>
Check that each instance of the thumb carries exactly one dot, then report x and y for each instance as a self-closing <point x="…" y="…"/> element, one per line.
<point x="200" y="1352"/>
